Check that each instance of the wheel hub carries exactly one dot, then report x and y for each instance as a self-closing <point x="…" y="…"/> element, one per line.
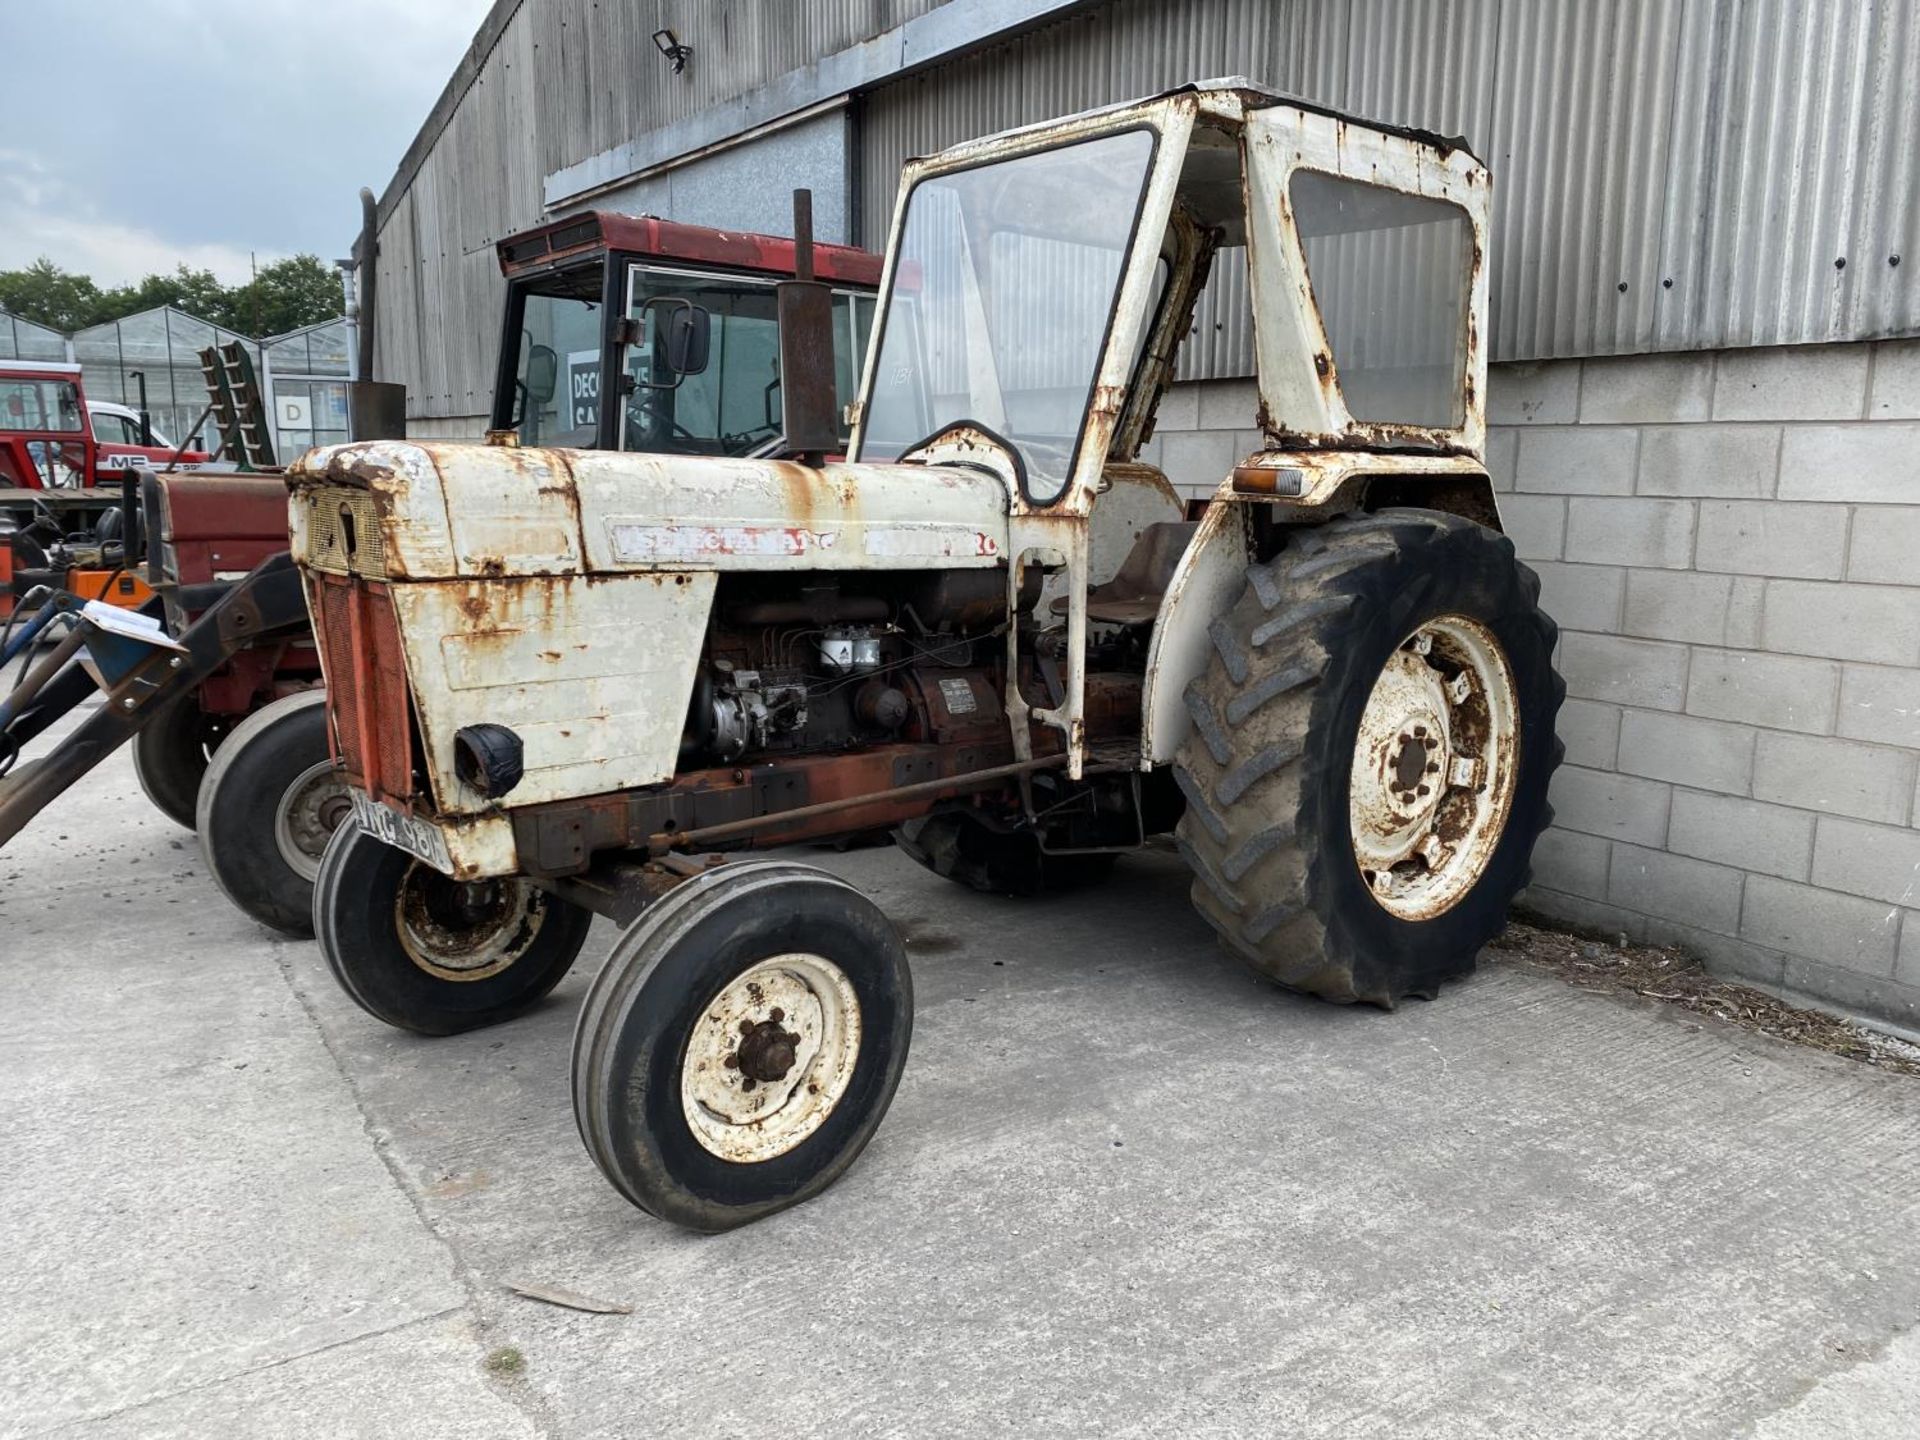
<point x="766" y="1051"/>
<point x="1433" y="767"/>
<point x="1410" y="763"/>
<point x="466" y="930"/>
<point x="311" y="808"/>
<point x="770" y="1057"/>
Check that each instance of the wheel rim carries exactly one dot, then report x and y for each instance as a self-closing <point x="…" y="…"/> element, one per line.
<point x="1433" y="767"/>
<point x="311" y="809"/>
<point x="465" y="930"/>
<point x="770" y="1058"/>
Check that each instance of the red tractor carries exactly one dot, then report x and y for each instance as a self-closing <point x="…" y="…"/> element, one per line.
<point x="63" y="460"/>
<point x="53" y="438"/>
<point x="226" y="716"/>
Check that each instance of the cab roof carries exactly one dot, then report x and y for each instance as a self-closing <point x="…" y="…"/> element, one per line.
<point x="1234" y="90"/>
<point x="650" y="236"/>
<point x="38" y="367"/>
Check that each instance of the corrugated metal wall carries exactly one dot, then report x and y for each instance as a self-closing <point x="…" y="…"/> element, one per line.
<point x="567" y="78"/>
<point x="600" y="81"/>
<point x="1669" y="174"/>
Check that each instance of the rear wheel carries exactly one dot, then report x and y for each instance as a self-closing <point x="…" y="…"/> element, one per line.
<point x="171" y="753"/>
<point x="434" y="955"/>
<point x="967" y="851"/>
<point x="742" y="1043"/>
<point x="1372" y="741"/>
<point x="269" y="804"/>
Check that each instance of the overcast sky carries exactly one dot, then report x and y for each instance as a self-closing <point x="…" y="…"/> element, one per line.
<point x="109" y="111"/>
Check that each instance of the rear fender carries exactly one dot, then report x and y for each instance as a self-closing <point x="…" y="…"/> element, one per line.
<point x="1212" y="573"/>
<point x="1208" y="579"/>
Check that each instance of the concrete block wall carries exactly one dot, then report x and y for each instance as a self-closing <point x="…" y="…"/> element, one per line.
<point x="1731" y="544"/>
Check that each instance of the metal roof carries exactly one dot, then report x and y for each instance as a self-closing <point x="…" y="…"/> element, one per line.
<point x="1668" y="174"/>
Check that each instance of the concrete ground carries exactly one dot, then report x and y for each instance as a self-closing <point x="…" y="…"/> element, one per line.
<point x="1125" y="1190"/>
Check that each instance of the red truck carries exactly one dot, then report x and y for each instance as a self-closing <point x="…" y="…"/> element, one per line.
<point x="233" y="741"/>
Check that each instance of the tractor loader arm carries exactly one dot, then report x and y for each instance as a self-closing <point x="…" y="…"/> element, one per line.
<point x="139" y="680"/>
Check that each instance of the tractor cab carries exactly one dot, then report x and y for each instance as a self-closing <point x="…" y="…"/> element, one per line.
<point x="63" y="503"/>
<point x="45" y="443"/>
<point x="53" y="438"/>
<point x="630" y="332"/>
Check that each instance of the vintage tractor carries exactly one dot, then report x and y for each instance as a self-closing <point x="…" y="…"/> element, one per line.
<point x="227" y="732"/>
<point x="566" y="683"/>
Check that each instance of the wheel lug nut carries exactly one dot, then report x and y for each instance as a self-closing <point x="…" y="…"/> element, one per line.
<point x="776" y="1015"/>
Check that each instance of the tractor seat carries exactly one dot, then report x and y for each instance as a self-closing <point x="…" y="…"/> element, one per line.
<point x="1132" y="596"/>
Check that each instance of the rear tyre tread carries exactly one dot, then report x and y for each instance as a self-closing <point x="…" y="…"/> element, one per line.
<point x="966" y="851"/>
<point x="1258" y="774"/>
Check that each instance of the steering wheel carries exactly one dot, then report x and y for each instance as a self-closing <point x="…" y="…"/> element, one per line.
<point x="645" y="406"/>
<point x="752" y="436"/>
<point x="54" y="461"/>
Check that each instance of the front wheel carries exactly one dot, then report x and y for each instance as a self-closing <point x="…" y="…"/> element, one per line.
<point x="269" y="804"/>
<point x="1371" y="745"/>
<point x="171" y="754"/>
<point x="434" y="955"/>
<point x="741" y="1044"/>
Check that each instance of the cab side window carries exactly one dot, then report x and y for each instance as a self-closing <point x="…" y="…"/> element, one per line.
<point x="115" y="430"/>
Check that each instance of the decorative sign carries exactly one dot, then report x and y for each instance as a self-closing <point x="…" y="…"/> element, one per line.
<point x="583" y="389"/>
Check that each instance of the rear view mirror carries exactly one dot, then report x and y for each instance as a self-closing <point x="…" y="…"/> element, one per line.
<point x="543" y="374"/>
<point x="683" y="337"/>
<point x="689" y="336"/>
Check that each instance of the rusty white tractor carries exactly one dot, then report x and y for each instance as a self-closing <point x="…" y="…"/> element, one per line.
<point x="565" y="683"/>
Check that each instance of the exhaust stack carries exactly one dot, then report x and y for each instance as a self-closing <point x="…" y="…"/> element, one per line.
<point x="805" y="308"/>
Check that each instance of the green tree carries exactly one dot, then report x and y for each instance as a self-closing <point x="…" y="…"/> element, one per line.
<point x="285" y="296"/>
<point x="198" y="292"/>
<point x="48" y="295"/>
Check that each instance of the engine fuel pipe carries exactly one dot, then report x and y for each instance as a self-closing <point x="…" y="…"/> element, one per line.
<point x="680" y="839"/>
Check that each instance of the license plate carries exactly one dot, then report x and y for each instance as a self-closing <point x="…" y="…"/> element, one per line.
<point x="403" y="832"/>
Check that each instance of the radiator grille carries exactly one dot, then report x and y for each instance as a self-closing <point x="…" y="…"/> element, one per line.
<point x="343" y="533"/>
<point x="333" y="604"/>
<point x="366" y="684"/>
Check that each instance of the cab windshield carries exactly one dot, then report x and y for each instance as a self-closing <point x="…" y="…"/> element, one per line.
<point x="44" y="405"/>
<point x="732" y="407"/>
<point x="1004" y="287"/>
